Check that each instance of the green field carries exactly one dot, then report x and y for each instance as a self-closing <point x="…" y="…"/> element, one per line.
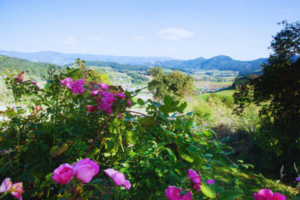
<point x="228" y="93"/>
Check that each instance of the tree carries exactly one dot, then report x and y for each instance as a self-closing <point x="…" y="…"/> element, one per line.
<point x="279" y="135"/>
<point x="176" y="84"/>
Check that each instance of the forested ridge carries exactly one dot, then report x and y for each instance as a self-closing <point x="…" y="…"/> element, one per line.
<point x="34" y="68"/>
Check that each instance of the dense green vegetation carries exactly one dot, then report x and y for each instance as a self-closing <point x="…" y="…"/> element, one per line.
<point x="118" y="66"/>
<point x="37" y="69"/>
<point x="239" y="81"/>
<point x="176" y="84"/>
<point x="280" y="85"/>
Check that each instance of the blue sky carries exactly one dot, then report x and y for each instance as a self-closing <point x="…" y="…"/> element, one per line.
<point x="182" y="29"/>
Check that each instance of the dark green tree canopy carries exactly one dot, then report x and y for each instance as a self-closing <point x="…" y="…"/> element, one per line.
<point x="279" y="86"/>
<point x="176" y="84"/>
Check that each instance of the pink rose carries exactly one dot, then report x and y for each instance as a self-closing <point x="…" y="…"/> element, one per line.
<point x="129" y="103"/>
<point x="80" y="81"/>
<point x="17" y="190"/>
<point x="266" y="194"/>
<point x="85" y="170"/>
<point x="118" y="178"/>
<point x="6" y="185"/>
<point x="104" y="86"/>
<point x="105" y="107"/>
<point x="210" y="181"/>
<point x="94" y="93"/>
<point x="77" y="88"/>
<point x="92" y="108"/>
<point x="109" y="98"/>
<point x="66" y="80"/>
<point x="63" y="174"/>
<point x="22" y="77"/>
<point x="173" y="193"/>
<point x="120" y="95"/>
<point x="196" y="179"/>
<point x="33" y="82"/>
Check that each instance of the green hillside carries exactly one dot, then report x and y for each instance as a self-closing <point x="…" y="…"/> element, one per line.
<point x="34" y="68"/>
<point x="117" y="66"/>
<point x="217" y="62"/>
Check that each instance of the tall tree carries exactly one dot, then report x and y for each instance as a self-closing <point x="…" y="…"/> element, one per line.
<point x="279" y="136"/>
<point x="176" y="84"/>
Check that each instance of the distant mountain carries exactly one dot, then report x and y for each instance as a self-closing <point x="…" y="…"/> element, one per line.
<point x="218" y="62"/>
<point x="65" y="58"/>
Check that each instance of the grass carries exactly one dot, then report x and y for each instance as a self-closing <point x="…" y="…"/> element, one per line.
<point x="249" y="182"/>
<point x="227" y="92"/>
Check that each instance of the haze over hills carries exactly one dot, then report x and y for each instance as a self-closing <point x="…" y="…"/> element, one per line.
<point x="221" y="62"/>
<point x="65" y="58"/>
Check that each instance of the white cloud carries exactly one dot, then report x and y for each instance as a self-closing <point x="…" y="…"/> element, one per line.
<point x="94" y="38"/>
<point x="138" y="37"/>
<point x="174" y="33"/>
<point x="69" y="40"/>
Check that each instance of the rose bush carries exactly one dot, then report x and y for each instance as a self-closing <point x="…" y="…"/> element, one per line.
<point x="72" y="119"/>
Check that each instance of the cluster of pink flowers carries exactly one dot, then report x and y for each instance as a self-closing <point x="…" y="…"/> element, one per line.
<point x="75" y="86"/>
<point x="106" y="99"/>
<point x="84" y="170"/>
<point x="266" y="194"/>
<point x="19" y="78"/>
<point x="32" y="82"/>
<point x="118" y="178"/>
<point x="15" y="189"/>
<point x="196" y="179"/>
<point x="173" y="193"/>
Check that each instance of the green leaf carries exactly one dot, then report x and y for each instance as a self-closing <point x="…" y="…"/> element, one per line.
<point x="46" y="86"/>
<point x="207" y="133"/>
<point x="148" y="183"/>
<point x="190" y="113"/>
<point x="172" y="156"/>
<point x="190" y="123"/>
<point x="131" y="137"/>
<point x="198" y="161"/>
<point x="48" y="176"/>
<point x="167" y="109"/>
<point x="192" y="149"/>
<point x="140" y="101"/>
<point x="150" y="121"/>
<point x="168" y="100"/>
<point x="182" y="107"/>
<point x="58" y="149"/>
<point x="207" y="190"/>
<point x="186" y="156"/>
<point x="156" y="104"/>
<point x="229" y="195"/>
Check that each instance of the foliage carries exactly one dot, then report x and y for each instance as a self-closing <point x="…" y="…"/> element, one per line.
<point x="238" y="81"/>
<point x="37" y="69"/>
<point x="176" y="84"/>
<point x="279" y="85"/>
<point x="68" y="122"/>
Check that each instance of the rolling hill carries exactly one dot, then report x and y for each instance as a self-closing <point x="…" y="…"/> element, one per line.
<point x="35" y="68"/>
<point x="65" y="58"/>
<point x="218" y="62"/>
